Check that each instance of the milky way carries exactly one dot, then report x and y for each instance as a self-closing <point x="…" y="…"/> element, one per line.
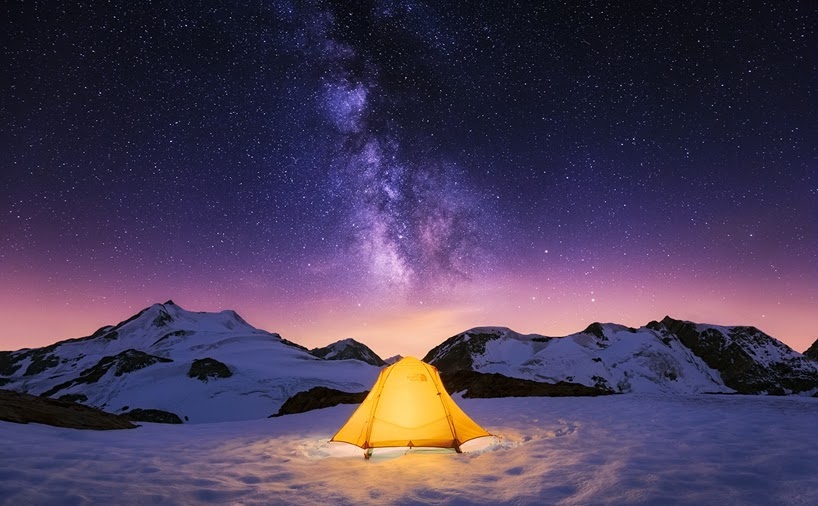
<point x="414" y="225"/>
<point x="397" y="171"/>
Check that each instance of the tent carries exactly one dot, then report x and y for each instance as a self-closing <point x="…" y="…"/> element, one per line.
<point x="408" y="406"/>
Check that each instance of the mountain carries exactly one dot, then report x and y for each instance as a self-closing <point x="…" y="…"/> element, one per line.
<point x="393" y="359"/>
<point x="748" y="360"/>
<point x="172" y="365"/>
<point x="348" y="349"/>
<point x="671" y="356"/>
<point x="203" y="367"/>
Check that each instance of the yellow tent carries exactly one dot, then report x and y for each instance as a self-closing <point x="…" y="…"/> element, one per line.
<point x="408" y="406"/>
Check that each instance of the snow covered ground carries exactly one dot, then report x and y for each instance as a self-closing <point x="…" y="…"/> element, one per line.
<point x="626" y="449"/>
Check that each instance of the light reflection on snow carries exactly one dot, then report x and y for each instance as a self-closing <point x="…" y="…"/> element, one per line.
<point x="621" y="449"/>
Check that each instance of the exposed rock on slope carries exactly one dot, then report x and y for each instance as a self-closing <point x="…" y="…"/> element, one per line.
<point x="812" y="351"/>
<point x="205" y="369"/>
<point x="748" y="360"/>
<point x="152" y="415"/>
<point x="348" y="349"/>
<point x="319" y="398"/>
<point x="458" y="352"/>
<point x="122" y="363"/>
<point x="480" y="385"/>
<point x="24" y="408"/>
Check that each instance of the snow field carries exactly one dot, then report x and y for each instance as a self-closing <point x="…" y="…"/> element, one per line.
<point x="626" y="449"/>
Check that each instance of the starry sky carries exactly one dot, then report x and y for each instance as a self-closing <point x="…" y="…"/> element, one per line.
<point x="400" y="171"/>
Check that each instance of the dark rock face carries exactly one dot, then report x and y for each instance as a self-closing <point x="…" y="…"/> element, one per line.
<point x="812" y="351"/>
<point x="318" y="398"/>
<point x="41" y="360"/>
<point x="481" y="385"/>
<point x="8" y="363"/>
<point x="178" y="333"/>
<point x="73" y="398"/>
<point x="595" y="329"/>
<point x="348" y="349"/>
<point x="455" y="353"/>
<point x="291" y="344"/>
<point x="152" y="415"/>
<point x="133" y="360"/>
<point x="23" y="408"/>
<point x="125" y="362"/>
<point x="743" y="359"/>
<point x="162" y="319"/>
<point x="205" y="369"/>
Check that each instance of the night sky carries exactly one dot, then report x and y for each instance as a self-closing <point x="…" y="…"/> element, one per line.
<point x="398" y="172"/>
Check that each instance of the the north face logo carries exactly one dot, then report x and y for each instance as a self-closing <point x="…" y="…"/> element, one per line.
<point x="417" y="377"/>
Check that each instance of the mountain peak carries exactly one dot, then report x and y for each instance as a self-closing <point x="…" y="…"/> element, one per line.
<point x="488" y="329"/>
<point x="166" y="358"/>
<point x="348" y="349"/>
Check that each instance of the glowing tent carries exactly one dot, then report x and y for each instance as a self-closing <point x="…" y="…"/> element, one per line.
<point x="408" y="406"/>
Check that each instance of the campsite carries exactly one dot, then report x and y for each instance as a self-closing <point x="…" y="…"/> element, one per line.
<point x="675" y="429"/>
<point x="408" y="252"/>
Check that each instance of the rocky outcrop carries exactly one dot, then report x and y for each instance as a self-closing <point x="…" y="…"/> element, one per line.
<point x="40" y="359"/>
<point x="73" y="398"/>
<point x="319" y="398"/>
<point x="24" y="408"/>
<point x="481" y="385"/>
<point x="205" y="369"/>
<point x="812" y="351"/>
<point x="152" y="416"/>
<point x="457" y="353"/>
<point x="122" y="363"/>
<point x="748" y="360"/>
<point x="348" y="349"/>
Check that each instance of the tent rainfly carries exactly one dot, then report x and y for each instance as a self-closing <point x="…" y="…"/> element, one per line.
<point x="408" y="406"/>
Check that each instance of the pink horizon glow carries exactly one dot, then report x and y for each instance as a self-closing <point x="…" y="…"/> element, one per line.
<point x="35" y="316"/>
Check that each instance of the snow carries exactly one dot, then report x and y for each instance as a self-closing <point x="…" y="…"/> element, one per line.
<point x="628" y="361"/>
<point x="624" y="449"/>
<point x="265" y="371"/>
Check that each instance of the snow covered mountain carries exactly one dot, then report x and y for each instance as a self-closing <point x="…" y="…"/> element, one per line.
<point x="203" y="367"/>
<point x="748" y="360"/>
<point x="670" y="356"/>
<point x="348" y="349"/>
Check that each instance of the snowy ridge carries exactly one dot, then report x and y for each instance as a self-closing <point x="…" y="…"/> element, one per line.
<point x="147" y="362"/>
<point x="666" y="357"/>
<point x="348" y="349"/>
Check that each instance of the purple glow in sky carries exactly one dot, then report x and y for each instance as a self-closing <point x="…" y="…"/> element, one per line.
<point x="398" y="172"/>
